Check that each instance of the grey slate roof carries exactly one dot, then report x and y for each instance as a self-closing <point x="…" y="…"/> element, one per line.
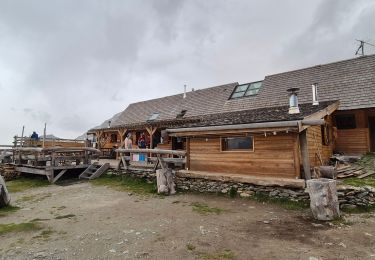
<point x="197" y="103"/>
<point x="259" y="115"/>
<point x="352" y="82"/>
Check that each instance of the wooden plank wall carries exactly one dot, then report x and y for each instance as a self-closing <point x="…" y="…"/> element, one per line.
<point x="49" y="143"/>
<point x="273" y="156"/>
<point x="316" y="147"/>
<point x="355" y="141"/>
<point x="167" y="146"/>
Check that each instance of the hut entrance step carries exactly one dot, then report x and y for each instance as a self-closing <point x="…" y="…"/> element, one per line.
<point x="94" y="171"/>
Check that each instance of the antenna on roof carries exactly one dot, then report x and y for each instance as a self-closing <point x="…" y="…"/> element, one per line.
<point x="361" y="49"/>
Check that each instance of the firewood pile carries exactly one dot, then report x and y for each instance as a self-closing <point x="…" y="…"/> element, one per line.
<point x="353" y="170"/>
<point x="8" y="172"/>
<point x="353" y="166"/>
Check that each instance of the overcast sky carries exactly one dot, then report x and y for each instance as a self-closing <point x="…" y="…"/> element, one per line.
<point x="74" y="64"/>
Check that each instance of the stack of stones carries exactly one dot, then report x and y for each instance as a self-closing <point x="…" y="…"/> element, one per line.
<point x="351" y="197"/>
<point x="243" y="189"/>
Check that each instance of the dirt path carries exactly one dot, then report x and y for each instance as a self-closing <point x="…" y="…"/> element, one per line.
<point x="82" y="221"/>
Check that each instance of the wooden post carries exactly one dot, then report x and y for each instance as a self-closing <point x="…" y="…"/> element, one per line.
<point x="187" y="153"/>
<point x="151" y="131"/>
<point x="305" y="154"/>
<point x="44" y="134"/>
<point x="98" y="137"/>
<point x="122" y="133"/>
<point x="23" y="130"/>
<point x="297" y="159"/>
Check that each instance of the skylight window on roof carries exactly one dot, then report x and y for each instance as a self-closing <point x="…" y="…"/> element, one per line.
<point x="249" y="89"/>
<point x="154" y="116"/>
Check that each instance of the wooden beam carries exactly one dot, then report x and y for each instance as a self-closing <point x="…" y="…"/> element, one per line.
<point x="238" y="131"/>
<point x="187" y="165"/>
<point x="59" y="175"/>
<point x="229" y="177"/>
<point x="155" y="151"/>
<point x="296" y="154"/>
<point x="321" y="114"/>
<point x="31" y="170"/>
<point x="151" y="131"/>
<point x="305" y="154"/>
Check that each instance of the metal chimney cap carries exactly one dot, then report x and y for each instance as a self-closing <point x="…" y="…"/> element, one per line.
<point x="292" y="90"/>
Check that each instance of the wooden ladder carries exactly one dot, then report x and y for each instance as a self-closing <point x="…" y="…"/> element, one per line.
<point x="94" y="171"/>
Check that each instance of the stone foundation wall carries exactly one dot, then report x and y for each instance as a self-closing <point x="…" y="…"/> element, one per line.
<point x="352" y="197"/>
<point x="349" y="196"/>
<point x="242" y="189"/>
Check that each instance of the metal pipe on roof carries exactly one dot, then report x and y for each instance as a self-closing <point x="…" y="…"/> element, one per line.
<point x="294" y="123"/>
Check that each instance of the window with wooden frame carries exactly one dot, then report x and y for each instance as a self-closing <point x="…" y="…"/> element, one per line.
<point x="326" y="135"/>
<point x="345" y="121"/>
<point x="237" y="143"/>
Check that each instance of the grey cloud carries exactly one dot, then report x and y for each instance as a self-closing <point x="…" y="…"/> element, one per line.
<point x="332" y="33"/>
<point x="72" y="122"/>
<point x="77" y="63"/>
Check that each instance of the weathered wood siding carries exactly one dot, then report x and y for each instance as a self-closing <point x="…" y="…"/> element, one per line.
<point x="167" y="146"/>
<point x="355" y="141"/>
<point x="316" y="146"/>
<point x="51" y="143"/>
<point x="273" y="156"/>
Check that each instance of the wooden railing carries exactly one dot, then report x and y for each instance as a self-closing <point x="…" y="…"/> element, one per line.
<point x="154" y="156"/>
<point x="53" y="156"/>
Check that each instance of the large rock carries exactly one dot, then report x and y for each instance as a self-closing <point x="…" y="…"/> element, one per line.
<point x="165" y="181"/>
<point x="324" y="203"/>
<point x="4" y="195"/>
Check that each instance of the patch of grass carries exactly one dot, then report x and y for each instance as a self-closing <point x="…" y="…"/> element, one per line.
<point x="126" y="183"/>
<point x="65" y="216"/>
<point x="222" y="255"/>
<point x="368" y="161"/>
<point x="21" y="227"/>
<point x="7" y="210"/>
<point x="204" y="209"/>
<point x="359" y="209"/>
<point x="369" y="181"/>
<point x="341" y="221"/>
<point x="34" y="198"/>
<point x="45" y="234"/>
<point x="190" y="247"/>
<point x="282" y="202"/>
<point x="27" y="198"/>
<point x="232" y="192"/>
<point x="39" y="219"/>
<point x="22" y="184"/>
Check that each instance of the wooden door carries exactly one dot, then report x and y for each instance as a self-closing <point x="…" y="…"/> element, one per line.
<point x="371" y="122"/>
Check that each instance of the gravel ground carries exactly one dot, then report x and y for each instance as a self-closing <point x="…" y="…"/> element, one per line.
<point x="83" y="221"/>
